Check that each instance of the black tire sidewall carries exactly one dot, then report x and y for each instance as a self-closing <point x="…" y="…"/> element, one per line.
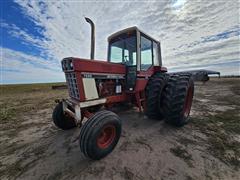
<point x="61" y="120"/>
<point x="175" y="97"/>
<point x="91" y="130"/>
<point x="154" y="89"/>
<point x="97" y="152"/>
<point x="185" y="119"/>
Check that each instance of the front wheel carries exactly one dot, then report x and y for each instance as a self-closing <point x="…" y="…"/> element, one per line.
<point x="61" y="120"/>
<point x="100" y="134"/>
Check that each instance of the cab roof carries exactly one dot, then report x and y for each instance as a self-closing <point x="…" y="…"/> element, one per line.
<point x="133" y="28"/>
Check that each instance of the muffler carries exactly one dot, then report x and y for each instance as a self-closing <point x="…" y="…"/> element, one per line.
<point x="92" y="37"/>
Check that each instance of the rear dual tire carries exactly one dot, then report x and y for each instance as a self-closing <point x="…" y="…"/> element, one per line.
<point x="177" y="99"/>
<point x="170" y="96"/>
<point x="154" y="89"/>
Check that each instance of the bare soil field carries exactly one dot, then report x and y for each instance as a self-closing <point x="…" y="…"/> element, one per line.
<point x="31" y="147"/>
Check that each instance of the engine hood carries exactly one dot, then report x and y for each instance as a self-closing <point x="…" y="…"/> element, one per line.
<point x="92" y="66"/>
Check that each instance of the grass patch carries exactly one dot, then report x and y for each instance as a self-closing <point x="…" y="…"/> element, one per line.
<point x="183" y="154"/>
<point x="219" y="129"/>
<point x="236" y="89"/>
<point x="56" y="176"/>
<point x="19" y="100"/>
<point x="6" y="114"/>
<point x="185" y="141"/>
<point x="227" y="121"/>
<point x="10" y="113"/>
<point x="225" y="149"/>
<point x="228" y="100"/>
<point x="27" y="88"/>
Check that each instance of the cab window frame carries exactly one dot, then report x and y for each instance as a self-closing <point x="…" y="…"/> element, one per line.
<point x="124" y="49"/>
<point x="152" y="53"/>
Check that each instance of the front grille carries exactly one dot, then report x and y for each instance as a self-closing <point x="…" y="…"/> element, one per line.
<point x="72" y="85"/>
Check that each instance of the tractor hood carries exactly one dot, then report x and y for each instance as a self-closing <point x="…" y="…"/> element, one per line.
<point x="91" y="66"/>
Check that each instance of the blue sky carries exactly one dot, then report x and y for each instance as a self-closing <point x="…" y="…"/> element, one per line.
<point x="36" y="35"/>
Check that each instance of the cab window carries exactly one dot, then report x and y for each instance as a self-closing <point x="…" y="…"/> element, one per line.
<point x="122" y="49"/>
<point x="116" y="54"/>
<point x="146" y="53"/>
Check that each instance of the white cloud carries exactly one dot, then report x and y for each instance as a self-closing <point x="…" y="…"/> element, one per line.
<point x="176" y="24"/>
<point x="18" y="67"/>
<point x="21" y="34"/>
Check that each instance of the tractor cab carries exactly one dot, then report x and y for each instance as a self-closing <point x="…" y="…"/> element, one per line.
<point x="136" y="50"/>
<point x="132" y="47"/>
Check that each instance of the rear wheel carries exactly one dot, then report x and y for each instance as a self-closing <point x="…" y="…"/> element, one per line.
<point x="61" y="120"/>
<point x="177" y="99"/>
<point x="154" y="90"/>
<point x="100" y="134"/>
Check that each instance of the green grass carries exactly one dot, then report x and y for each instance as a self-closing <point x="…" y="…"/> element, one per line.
<point x="227" y="121"/>
<point x="6" y="113"/>
<point x="219" y="129"/>
<point x="26" y="88"/>
<point x="16" y="100"/>
<point x="183" y="154"/>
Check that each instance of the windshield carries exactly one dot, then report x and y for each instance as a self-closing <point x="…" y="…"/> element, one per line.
<point x="122" y="49"/>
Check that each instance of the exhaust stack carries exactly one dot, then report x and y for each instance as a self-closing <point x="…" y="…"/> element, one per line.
<point x="92" y="37"/>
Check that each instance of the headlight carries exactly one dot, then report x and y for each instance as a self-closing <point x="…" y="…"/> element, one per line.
<point x="63" y="66"/>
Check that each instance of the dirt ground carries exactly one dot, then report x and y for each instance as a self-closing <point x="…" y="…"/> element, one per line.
<point x="31" y="147"/>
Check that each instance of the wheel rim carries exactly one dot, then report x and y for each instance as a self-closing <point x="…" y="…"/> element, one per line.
<point x="106" y="137"/>
<point x="188" y="102"/>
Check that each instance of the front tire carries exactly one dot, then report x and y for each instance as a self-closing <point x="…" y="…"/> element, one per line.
<point x="177" y="99"/>
<point x="100" y="134"/>
<point x="61" y="120"/>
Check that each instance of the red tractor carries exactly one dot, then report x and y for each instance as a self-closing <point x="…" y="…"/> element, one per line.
<point x="133" y="73"/>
